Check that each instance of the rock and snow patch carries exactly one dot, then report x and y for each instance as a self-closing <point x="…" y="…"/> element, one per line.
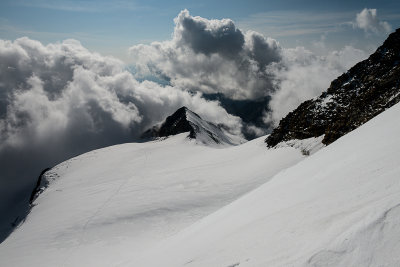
<point x="203" y="132"/>
<point x="208" y="133"/>
<point x="307" y="146"/>
<point x="367" y="89"/>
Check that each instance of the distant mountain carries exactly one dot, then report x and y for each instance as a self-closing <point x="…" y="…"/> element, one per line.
<point x="355" y="97"/>
<point x="185" y="120"/>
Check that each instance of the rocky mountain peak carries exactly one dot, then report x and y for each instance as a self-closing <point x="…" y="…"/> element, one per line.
<point x="177" y="123"/>
<point x="184" y="120"/>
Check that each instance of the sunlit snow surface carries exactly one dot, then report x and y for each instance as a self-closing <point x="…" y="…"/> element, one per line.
<point x="110" y="205"/>
<point x="177" y="203"/>
<point x="338" y="207"/>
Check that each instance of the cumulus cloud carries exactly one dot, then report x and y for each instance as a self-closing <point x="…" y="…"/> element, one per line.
<point x="214" y="56"/>
<point x="60" y="100"/>
<point x="305" y="75"/>
<point x="211" y="56"/>
<point x="368" y="21"/>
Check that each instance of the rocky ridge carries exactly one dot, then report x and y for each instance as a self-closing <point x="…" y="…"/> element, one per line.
<point x="367" y="89"/>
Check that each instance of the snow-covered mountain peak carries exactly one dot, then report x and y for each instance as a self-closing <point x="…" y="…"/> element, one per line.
<point x="184" y="120"/>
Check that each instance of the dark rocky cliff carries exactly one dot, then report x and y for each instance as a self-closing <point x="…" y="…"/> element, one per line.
<point x="352" y="99"/>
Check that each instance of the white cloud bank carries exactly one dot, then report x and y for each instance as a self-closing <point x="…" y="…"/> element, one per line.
<point x="368" y="21"/>
<point x="214" y="56"/>
<point x="64" y="87"/>
<point x="211" y="56"/>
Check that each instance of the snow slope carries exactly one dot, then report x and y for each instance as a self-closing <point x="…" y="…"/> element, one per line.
<point x="108" y="206"/>
<point x="177" y="203"/>
<point x="338" y="207"/>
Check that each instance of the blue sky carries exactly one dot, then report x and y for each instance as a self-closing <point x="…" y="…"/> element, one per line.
<point x="111" y="27"/>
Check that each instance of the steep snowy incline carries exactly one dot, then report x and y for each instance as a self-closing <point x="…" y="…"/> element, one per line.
<point x="107" y="206"/>
<point x="338" y="207"/>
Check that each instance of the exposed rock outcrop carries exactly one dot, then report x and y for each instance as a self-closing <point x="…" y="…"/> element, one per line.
<point x="41" y="184"/>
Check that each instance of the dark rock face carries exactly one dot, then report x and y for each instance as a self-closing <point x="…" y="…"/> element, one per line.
<point x="175" y="124"/>
<point x="41" y="184"/>
<point x="367" y="89"/>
